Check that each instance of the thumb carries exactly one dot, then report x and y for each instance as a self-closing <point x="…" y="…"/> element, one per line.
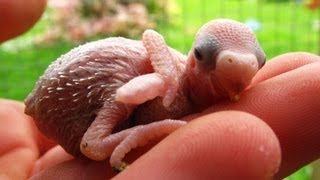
<point x="18" y="16"/>
<point x="227" y="144"/>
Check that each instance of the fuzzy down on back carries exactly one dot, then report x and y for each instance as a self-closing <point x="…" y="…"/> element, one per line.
<point x="67" y="98"/>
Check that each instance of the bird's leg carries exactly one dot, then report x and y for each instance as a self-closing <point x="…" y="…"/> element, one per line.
<point x="139" y="136"/>
<point x="169" y="66"/>
<point x="163" y="62"/>
<point x="98" y="143"/>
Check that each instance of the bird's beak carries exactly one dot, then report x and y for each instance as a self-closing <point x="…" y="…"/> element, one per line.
<point x="234" y="72"/>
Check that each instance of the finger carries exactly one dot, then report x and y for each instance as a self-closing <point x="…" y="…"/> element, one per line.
<point x="76" y="169"/>
<point x="284" y="63"/>
<point x="52" y="157"/>
<point x="18" y="106"/>
<point x="18" y="16"/>
<point x="43" y="143"/>
<point x="289" y="103"/>
<point x="57" y="163"/>
<point x="18" y="149"/>
<point x="221" y="145"/>
<point x="19" y="141"/>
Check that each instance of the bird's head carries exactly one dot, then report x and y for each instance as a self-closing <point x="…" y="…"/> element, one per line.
<point x="224" y="58"/>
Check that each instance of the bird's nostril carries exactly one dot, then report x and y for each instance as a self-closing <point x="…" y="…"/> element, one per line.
<point x="230" y="60"/>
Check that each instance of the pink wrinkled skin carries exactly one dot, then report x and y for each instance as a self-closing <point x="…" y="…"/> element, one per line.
<point x="104" y="98"/>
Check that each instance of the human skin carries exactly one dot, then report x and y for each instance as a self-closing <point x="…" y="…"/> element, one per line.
<point x="23" y="149"/>
<point x="18" y="16"/>
<point x="218" y="142"/>
<point x="76" y="101"/>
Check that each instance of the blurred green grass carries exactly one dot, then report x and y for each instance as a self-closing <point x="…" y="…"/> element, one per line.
<point x="20" y="69"/>
<point x="21" y="62"/>
<point x="284" y="27"/>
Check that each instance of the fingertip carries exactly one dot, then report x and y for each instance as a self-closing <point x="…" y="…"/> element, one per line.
<point x="16" y="144"/>
<point x="219" y="145"/>
<point x="76" y="169"/>
<point x="15" y="129"/>
<point x="14" y="113"/>
<point x="18" y="16"/>
<point x="284" y="63"/>
<point x="52" y="157"/>
<point x="289" y="103"/>
<point x="7" y="103"/>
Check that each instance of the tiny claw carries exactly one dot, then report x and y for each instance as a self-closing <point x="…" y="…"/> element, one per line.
<point x="235" y="98"/>
<point x="170" y="95"/>
<point x="167" y="101"/>
<point x="119" y="168"/>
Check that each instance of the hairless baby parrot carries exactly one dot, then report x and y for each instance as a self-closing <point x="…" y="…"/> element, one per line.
<point x="104" y="98"/>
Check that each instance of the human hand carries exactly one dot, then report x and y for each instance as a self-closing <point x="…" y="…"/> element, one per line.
<point x="18" y="16"/>
<point x="281" y="125"/>
<point x="214" y="144"/>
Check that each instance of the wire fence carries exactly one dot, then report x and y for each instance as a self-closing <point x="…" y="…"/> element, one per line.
<point x="281" y="26"/>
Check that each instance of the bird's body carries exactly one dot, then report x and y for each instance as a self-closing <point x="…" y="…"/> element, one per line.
<point x="106" y="97"/>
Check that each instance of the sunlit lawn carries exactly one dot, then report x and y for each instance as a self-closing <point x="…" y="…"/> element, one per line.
<point x="284" y="27"/>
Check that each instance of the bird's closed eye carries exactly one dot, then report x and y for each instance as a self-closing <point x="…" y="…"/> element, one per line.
<point x="263" y="62"/>
<point x="197" y="54"/>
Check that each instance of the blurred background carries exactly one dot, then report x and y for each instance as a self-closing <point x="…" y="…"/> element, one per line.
<point x="281" y="26"/>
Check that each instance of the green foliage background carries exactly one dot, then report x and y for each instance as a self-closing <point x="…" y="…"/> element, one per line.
<point x="284" y="26"/>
